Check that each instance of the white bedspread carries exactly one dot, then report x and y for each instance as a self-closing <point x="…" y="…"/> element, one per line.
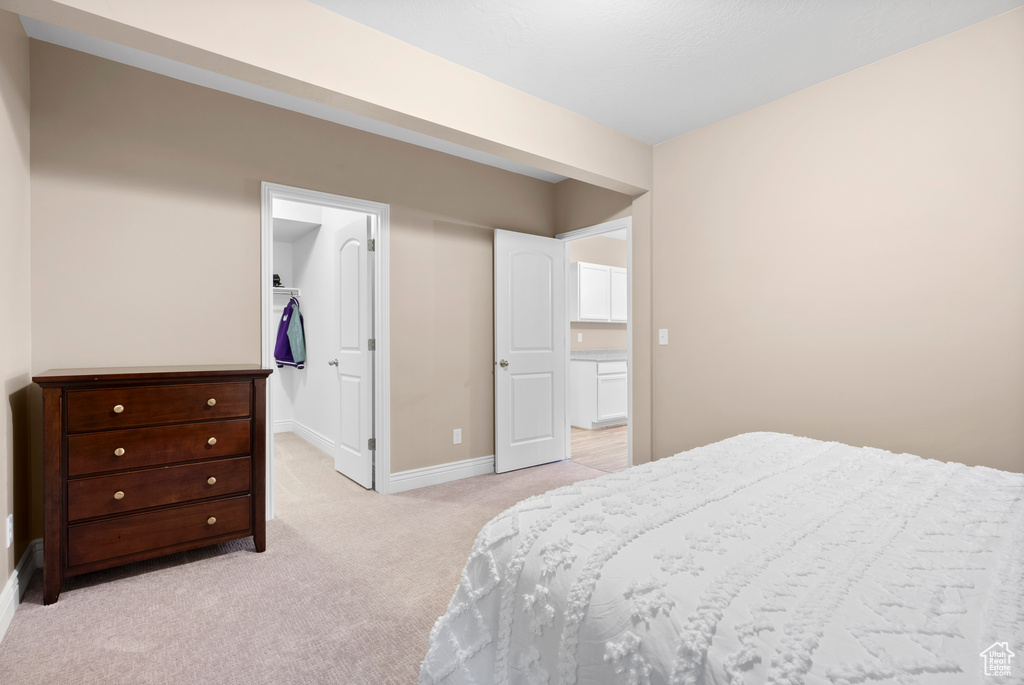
<point x="764" y="558"/>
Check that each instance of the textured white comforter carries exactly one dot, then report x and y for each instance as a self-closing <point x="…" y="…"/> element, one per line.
<point x="764" y="558"/>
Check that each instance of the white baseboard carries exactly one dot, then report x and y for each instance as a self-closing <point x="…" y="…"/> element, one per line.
<point x="284" y="426"/>
<point x="17" y="584"/>
<point x="442" y="473"/>
<point x="315" y="439"/>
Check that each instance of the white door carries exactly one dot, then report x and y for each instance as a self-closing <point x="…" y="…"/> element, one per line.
<point x="354" y="360"/>
<point x="530" y="328"/>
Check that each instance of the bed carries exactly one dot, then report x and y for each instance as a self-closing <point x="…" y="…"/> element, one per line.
<point x="764" y="558"/>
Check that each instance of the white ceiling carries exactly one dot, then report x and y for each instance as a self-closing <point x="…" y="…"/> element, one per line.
<point x="656" y="69"/>
<point x="289" y="230"/>
<point x="293" y="220"/>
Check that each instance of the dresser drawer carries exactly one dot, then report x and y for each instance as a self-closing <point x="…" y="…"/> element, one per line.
<point x="97" y="496"/>
<point x="118" y="537"/>
<point x="141" y="406"/>
<point x="142" y="447"/>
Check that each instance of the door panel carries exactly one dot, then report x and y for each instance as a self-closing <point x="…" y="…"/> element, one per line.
<point x="350" y="409"/>
<point x="349" y="274"/>
<point x="532" y="327"/>
<point x="532" y="407"/>
<point x="529" y="337"/>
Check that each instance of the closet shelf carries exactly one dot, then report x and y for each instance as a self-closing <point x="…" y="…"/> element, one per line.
<point x="288" y="291"/>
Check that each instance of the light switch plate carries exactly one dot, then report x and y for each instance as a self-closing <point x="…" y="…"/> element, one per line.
<point x="663" y="336"/>
<point x="457" y="436"/>
<point x="579" y="337"/>
<point x="10" y="529"/>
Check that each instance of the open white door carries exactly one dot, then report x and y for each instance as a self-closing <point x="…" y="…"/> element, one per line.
<point x="529" y="350"/>
<point x="354" y="361"/>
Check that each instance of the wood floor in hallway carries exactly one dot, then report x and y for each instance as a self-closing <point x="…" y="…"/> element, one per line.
<point x="604" y="448"/>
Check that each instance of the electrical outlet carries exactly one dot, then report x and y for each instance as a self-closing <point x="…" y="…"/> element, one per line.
<point x="579" y="337"/>
<point x="457" y="436"/>
<point x="10" y="529"/>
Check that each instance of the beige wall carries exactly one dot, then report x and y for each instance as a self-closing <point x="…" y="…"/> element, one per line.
<point x="15" y="331"/>
<point x="598" y="336"/>
<point x="442" y="341"/>
<point x="299" y="48"/>
<point x="598" y="249"/>
<point x="146" y="237"/>
<point x="847" y="262"/>
<point x="579" y="205"/>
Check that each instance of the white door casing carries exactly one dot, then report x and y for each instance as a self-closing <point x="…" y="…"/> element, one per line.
<point x="379" y="274"/>
<point x="530" y="356"/>
<point x="615" y="225"/>
<point x="354" y="361"/>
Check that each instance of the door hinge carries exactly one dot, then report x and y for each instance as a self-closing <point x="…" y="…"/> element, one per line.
<point x="372" y="245"/>
<point x="372" y="443"/>
<point x="371" y="344"/>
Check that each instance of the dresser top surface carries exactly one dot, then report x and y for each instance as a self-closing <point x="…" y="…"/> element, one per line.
<point x="125" y="373"/>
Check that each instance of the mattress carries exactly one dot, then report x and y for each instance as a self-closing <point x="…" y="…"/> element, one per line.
<point x="764" y="558"/>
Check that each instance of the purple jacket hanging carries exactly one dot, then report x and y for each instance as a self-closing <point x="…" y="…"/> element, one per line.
<point x="290" y="349"/>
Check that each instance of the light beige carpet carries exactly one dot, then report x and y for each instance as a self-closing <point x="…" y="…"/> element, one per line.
<point x="346" y="592"/>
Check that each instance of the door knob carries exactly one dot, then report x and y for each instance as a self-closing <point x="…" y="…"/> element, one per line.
<point x="333" y="362"/>
<point x="503" y="363"/>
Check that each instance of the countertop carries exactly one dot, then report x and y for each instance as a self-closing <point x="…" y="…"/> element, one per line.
<point x="598" y="355"/>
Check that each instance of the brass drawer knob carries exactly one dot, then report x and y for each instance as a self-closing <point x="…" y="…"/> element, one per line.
<point x="118" y="408"/>
<point x="211" y="480"/>
<point x="212" y="520"/>
<point x="119" y="494"/>
<point x="119" y="452"/>
<point x="211" y="441"/>
<point x="210" y="402"/>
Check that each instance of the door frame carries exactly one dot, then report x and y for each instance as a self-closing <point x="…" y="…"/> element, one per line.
<point x="380" y="312"/>
<point x="589" y="232"/>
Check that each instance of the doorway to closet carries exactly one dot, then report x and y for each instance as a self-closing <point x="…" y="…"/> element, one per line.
<point x="322" y="332"/>
<point x="599" y="393"/>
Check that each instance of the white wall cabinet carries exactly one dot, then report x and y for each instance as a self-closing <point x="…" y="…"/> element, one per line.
<point x="597" y="293"/>
<point x="597" y="394"/>
<point x="589" y="292"/>
<point x="618" y="295"/>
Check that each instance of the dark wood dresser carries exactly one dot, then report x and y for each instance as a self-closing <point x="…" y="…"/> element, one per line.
<point x="146" y="461"/>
